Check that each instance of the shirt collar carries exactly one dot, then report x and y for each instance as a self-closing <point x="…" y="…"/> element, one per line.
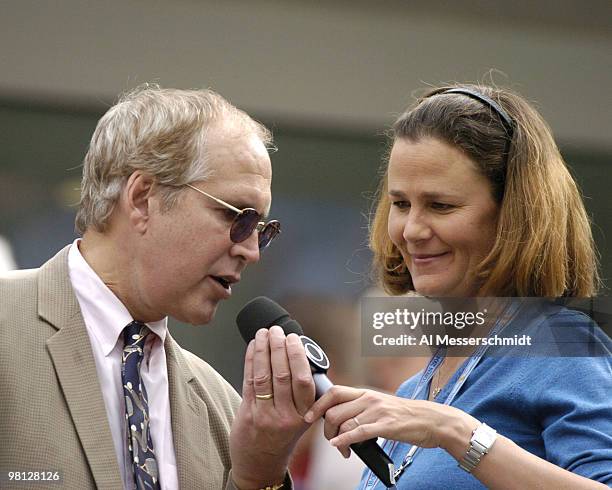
<point x="104" y="314"/>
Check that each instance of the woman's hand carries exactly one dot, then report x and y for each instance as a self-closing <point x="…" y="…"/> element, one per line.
<point x="355" y="415"/>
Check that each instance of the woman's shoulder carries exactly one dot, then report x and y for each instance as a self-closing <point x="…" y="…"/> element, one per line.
<point x="555" y="330"/>
<point x="565" y="347"/>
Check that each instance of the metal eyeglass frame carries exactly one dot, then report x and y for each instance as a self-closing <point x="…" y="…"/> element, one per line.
<point x="261" y="225"/>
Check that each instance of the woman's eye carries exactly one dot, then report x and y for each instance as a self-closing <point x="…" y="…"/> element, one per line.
<point x="401" y="204"/>
<point x="440" y="206"/>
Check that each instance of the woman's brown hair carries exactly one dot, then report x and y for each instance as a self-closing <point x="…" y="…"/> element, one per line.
<point x="544" y="245"/>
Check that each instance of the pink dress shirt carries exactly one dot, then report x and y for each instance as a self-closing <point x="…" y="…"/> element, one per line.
<point x="105" y="318"/>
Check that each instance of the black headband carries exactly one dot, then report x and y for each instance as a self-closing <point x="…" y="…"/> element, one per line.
<point x="505" y="118"/>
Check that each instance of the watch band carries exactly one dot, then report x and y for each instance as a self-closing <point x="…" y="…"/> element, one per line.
<point x="280" y="486"/>
<point x="481" y="442"/>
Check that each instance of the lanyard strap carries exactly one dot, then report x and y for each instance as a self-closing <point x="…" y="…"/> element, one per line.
<point x="430" y="370"/>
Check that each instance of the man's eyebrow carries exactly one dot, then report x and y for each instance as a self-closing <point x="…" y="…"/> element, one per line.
<point x="237" y="203"/>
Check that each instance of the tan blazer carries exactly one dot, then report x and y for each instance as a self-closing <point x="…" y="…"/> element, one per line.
<point x="52" y="414"/>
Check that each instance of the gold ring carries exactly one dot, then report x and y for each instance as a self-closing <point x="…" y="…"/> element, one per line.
<point x="269" y="396"/>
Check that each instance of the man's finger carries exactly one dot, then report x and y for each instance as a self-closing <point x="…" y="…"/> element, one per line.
<point x="301" y="376"/>
<point x="248" y="394"/>
<point x="262" y="371"/>
<point x="281" y="373"/>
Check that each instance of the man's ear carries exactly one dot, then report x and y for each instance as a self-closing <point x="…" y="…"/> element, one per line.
<point x="136" y="197"/>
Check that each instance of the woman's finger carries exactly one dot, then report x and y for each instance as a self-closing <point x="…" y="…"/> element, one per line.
<point x="336" y="395"/>
<point x="358" y="434"/>
<point x="345" y="451"/>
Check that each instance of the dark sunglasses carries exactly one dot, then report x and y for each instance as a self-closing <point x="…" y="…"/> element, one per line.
<point x="246" y="222"/>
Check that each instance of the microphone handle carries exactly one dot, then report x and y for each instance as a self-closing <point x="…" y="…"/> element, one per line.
<point x="368" y="451"/>
<point x="377" y="460"/>
<point x="322" y="384"/>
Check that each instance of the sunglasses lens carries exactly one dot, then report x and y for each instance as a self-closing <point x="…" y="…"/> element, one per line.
<point x="244" y="224"/>
<point x="270" y="231"/>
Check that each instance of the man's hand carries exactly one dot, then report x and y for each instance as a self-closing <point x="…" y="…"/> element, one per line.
<point x="266" y="427"/>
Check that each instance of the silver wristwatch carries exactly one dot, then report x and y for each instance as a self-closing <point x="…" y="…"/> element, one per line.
<point x="481" y="442"/>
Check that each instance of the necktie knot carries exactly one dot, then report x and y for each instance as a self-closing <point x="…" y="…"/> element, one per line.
<point x="135" y="334"/>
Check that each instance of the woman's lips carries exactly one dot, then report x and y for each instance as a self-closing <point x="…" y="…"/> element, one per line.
<point x="425" y="259"/>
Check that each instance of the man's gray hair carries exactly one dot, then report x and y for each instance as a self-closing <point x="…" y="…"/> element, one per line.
<point x="161" y="132"/>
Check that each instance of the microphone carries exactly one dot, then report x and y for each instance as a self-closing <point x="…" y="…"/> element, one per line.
<point x="262" y="312"/>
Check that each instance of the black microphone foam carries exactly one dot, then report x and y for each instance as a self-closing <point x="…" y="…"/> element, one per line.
<point x="262" y="312"/>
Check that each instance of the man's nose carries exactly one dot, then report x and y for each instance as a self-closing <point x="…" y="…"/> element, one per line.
<point x="248" y="249"/>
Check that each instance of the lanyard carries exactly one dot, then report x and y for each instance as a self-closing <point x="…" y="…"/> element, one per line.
<point x="428" y="373"/>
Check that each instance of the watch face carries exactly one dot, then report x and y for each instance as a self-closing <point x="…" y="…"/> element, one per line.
<point x="485" y="435"/>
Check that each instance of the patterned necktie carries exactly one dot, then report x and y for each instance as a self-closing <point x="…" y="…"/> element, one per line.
<point x="137" y="408"/>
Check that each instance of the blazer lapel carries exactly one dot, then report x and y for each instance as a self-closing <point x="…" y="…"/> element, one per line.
<point x="72" y="357"/>
<point x="193" y="441"/>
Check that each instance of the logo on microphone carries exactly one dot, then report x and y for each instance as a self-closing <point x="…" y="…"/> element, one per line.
<point x="314" y="353"/>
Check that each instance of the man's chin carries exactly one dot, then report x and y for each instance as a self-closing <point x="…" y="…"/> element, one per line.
<point x="205" y="314"/>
